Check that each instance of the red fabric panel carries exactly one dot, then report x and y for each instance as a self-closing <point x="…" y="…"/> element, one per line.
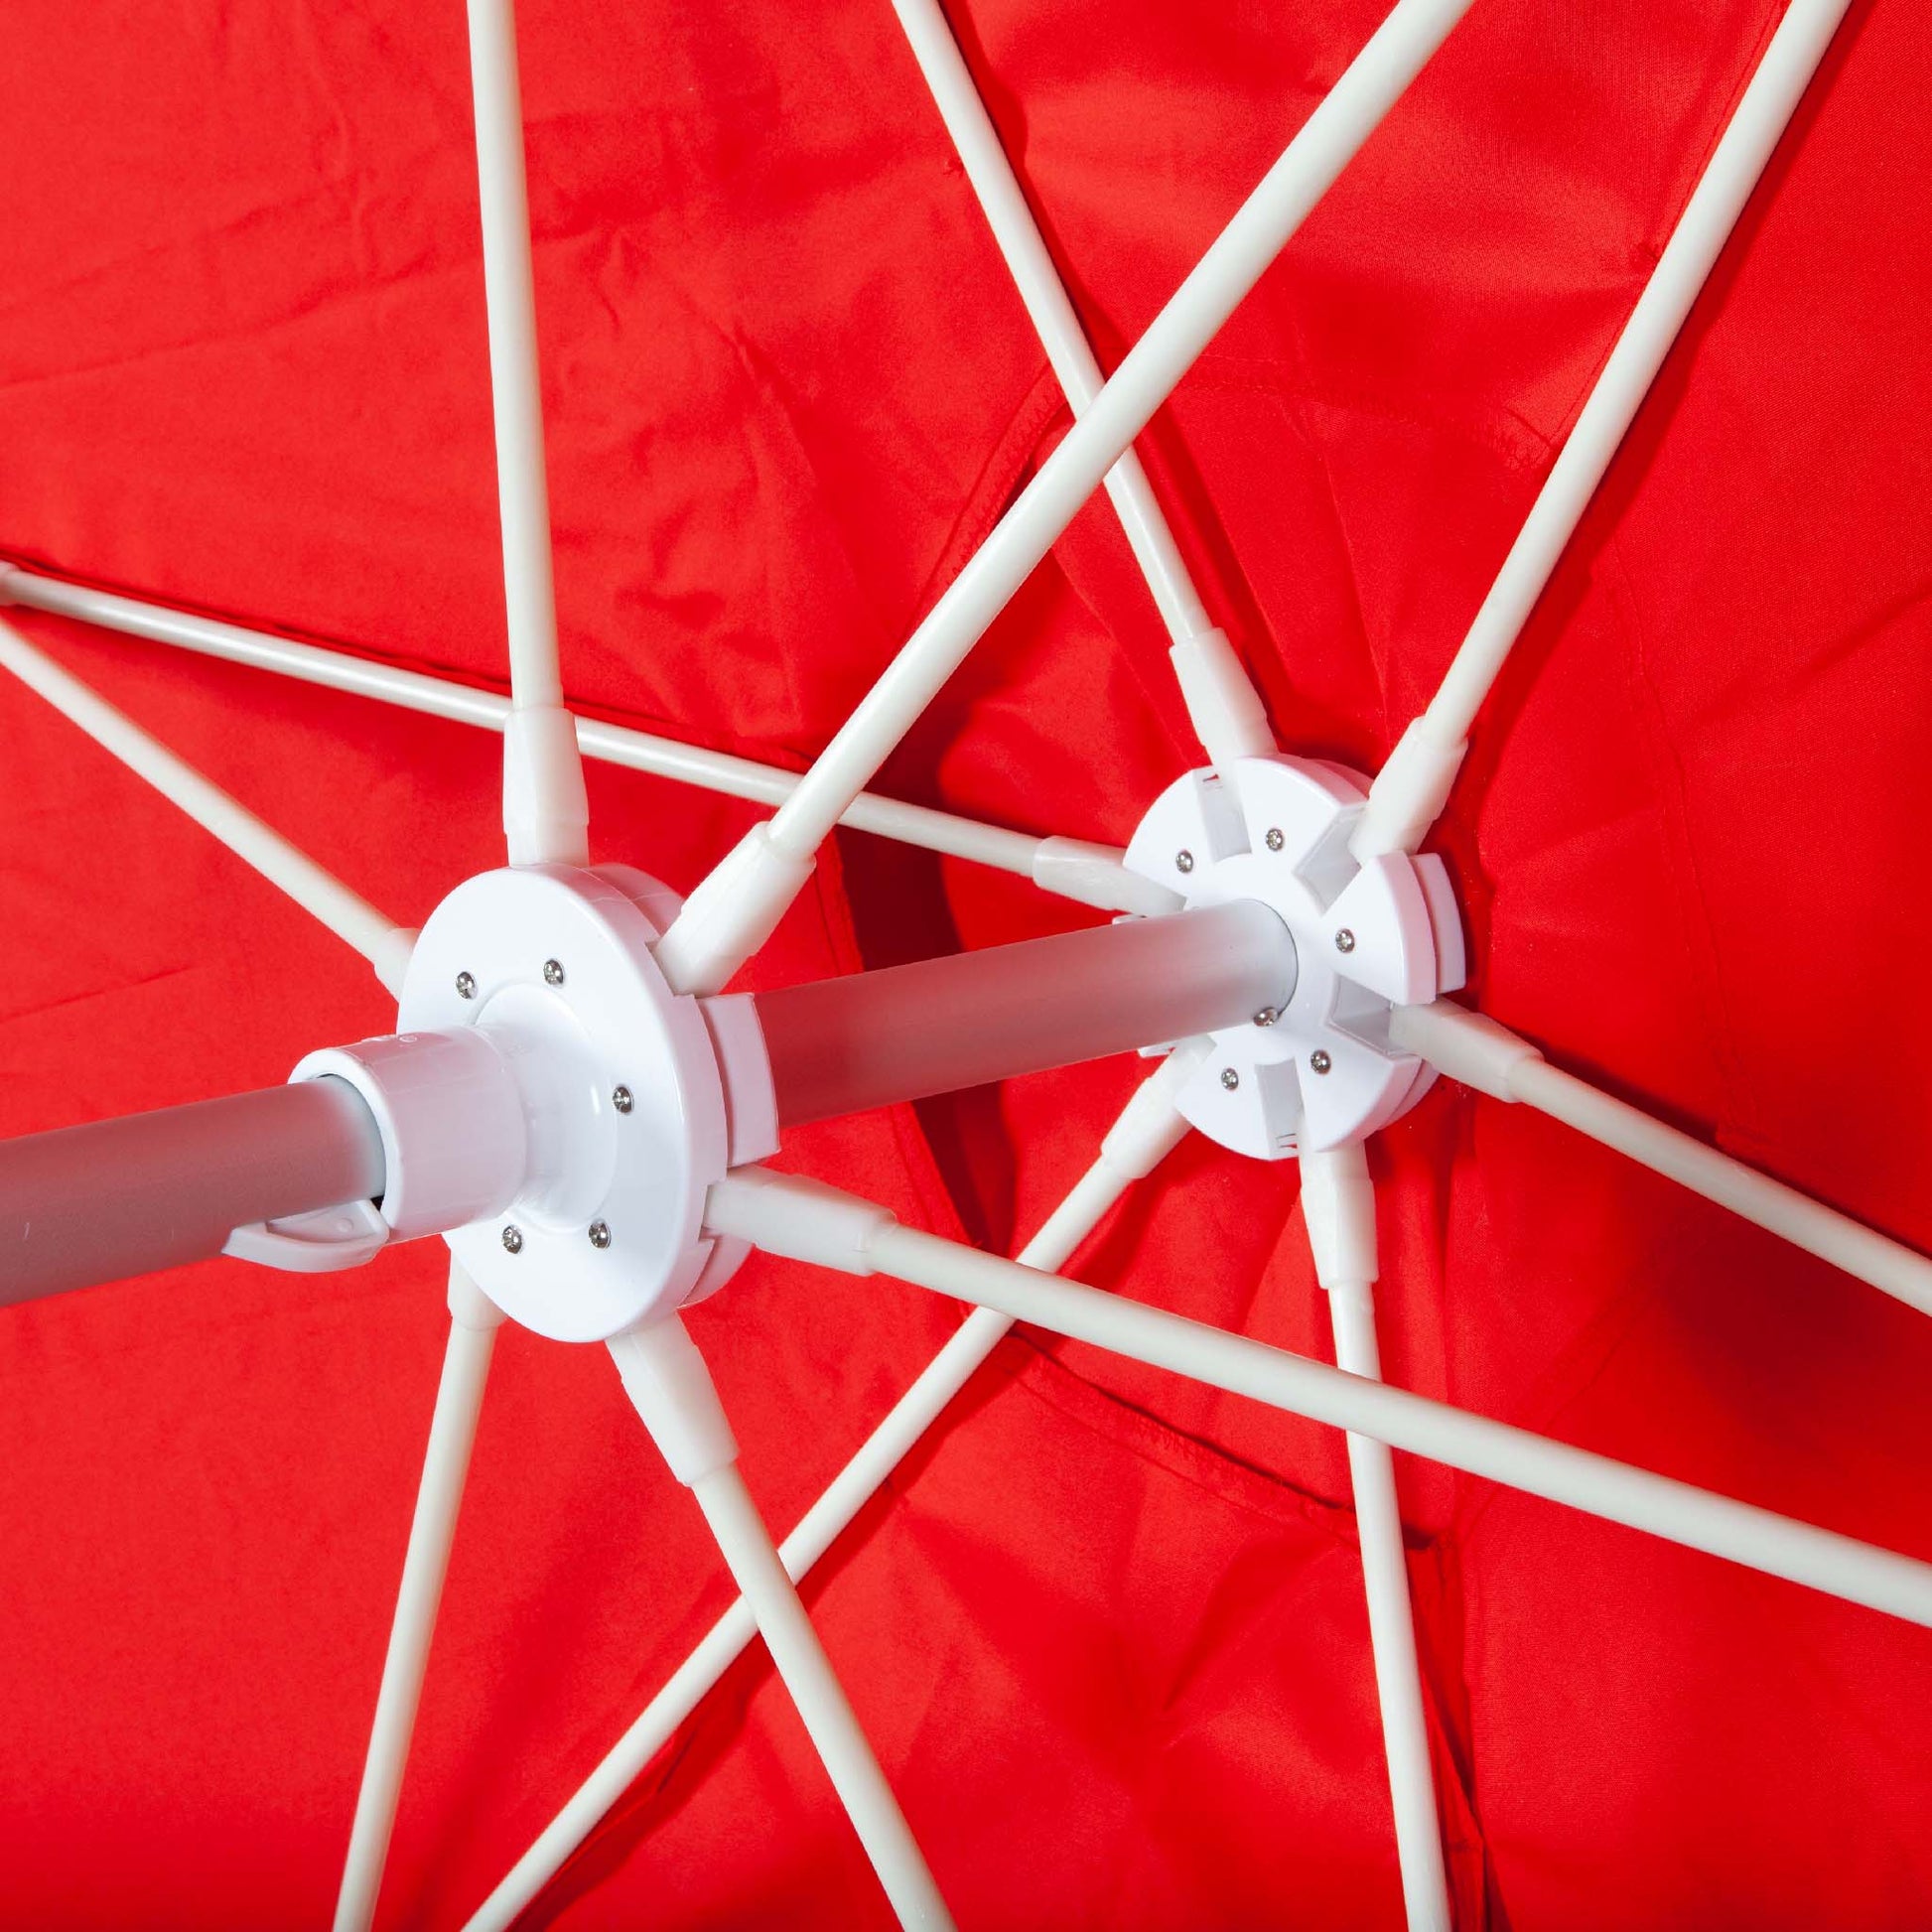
<point x="1106" y="1630"/>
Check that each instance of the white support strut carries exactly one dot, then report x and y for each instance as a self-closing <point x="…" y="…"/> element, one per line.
<point x="1069" y="867"/>
<point x="473" y="1322"/>
<point x="1483" y="1054"/>
<point x="1338" y="1207"/>
<point x="808" y="1222"/>
<point x="1411" y="789"/>
<point x="545" y="810"/>
<point x="350" y="916"/>
<point x="821" y="1700"/>
<point x="545" y="817"/>
<point x="733" y="911"/>
<point x="675" y="1398"/>
<point x="1222" y="704"/>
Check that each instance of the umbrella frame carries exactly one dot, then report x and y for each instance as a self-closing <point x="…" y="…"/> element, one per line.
<point x="736" y="908"/>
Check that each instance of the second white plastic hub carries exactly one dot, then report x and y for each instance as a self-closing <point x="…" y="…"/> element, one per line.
<point x="1322" y="1070"/>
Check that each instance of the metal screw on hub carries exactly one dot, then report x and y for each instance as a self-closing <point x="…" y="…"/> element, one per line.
<point x="600" y="1234"/>
<point x="1320" y="1060"/>
<point x="1268" y="1016"/>
<point x="513" y="1240"/>
<point x="1344" y="940"/>
<point x="466" y="985"/>
<point x="620" y="1099"/>
<point x="553" y="973"/>
<point x="1229" y="1079"/>
<point x="1184" y="862"/>
<point x="1274" y="839"/>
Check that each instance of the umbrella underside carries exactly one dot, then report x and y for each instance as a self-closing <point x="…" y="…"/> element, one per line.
<point x="1105" y="1627"/>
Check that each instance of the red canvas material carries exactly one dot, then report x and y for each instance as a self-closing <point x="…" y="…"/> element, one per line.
<point x="1106" y="1629"/>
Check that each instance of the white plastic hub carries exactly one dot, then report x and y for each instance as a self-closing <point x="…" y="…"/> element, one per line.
<point x="553" y="965"/>
<point x="1369" y="936"/>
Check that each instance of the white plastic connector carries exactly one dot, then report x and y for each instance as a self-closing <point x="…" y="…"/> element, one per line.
<point x="1408" y="794"/>
<point x="451" y="1117"/>
<point x="1151" y="1124"/>
<point x="800" y="1220"/>
<point x="546" y="810"/>
<point x="1222" y="703"/>
<point x="671" y="1390"/>
<point x="1467" y="1046"/>
<point x="1338" y="1205"/>
<point x="732" y="913"/>
<point x="1093" y="875"/>
<point x="316" y="1243"/>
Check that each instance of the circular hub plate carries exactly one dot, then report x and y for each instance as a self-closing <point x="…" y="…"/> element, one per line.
<point x="1322" y="1071"/>
<point x="555" y="965"/>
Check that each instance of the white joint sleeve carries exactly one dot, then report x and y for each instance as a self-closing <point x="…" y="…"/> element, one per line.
<point x="1222" y="704"/>
<point x="1408" y="791"/>
<point x="1151" y="1124"/>
<point x="1338" y="1205"/>
<point x="546" y="810"/>
<point x="804" y="1220"/>
<point x="732" y="913"/>
<point x="671" y="1389"/>
<point x="1467" y="1046"/>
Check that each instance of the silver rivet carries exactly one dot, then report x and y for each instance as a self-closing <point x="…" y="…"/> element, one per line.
<point x="1344" y="940"/>
<point x="1229" y="1079"/>
<point x="1320" y="1060"/>
<point x="1274" y="839"/>
<point x="620" y="1099"/>
<point x="553" y="973"/>
<point x="1268" y="1016"/>
<point x="466" y="985"/>
<point x="513" y="1240"/>
<point x="1184" y="862"/>
<point x="600" y="1234"/>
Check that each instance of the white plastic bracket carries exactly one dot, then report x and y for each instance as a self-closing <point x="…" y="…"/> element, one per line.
<point x="1370" y="936"/>
<point x="313" y="1244"/>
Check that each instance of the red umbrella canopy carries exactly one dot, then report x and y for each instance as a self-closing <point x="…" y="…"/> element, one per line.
<point x="1106" y="1627"/>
